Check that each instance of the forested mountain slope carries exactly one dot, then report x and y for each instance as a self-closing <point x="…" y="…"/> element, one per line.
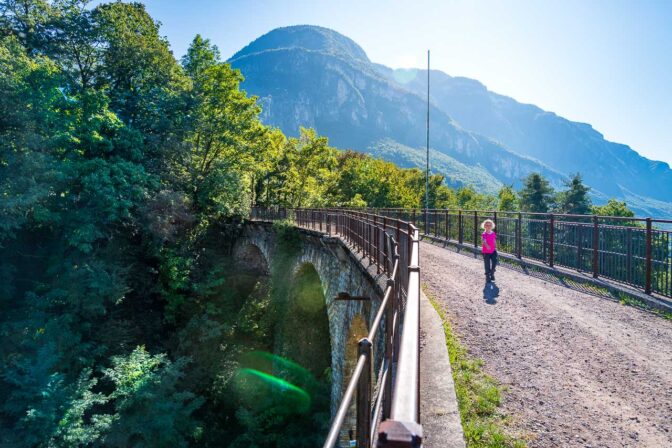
<point x="313" y="76"/>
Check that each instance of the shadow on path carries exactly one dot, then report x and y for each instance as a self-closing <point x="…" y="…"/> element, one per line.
<point x="490" y="293"/>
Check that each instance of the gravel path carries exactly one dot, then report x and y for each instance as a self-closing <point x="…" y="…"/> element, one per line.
<point x="579" y="370"/>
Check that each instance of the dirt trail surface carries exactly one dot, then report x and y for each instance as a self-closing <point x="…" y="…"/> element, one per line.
<point x="580" y="370"/>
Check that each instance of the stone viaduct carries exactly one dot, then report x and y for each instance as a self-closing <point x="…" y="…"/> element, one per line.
<point x="339" y="271"/>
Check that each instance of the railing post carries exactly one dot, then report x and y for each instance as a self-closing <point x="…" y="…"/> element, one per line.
<point x="647" y="287"/>
<point x="364" y="397"/>
<point x="596" y="242"/>
<point x="369" y="237"/>
<point x="519" y="235"/>
<point x="376" y="238"/>
<point x="447" y="227"/>
<point x="410" y="241"/>
<point x="426" y="221"/>
<point x="385" y="251"/>
<point x="431" y="216"/>
<point x="460" y="227"/>
<point x="398" y="231"/>
<point x="628" y="257"/>
<point x="579" y="243"/>
<point x="551" y="248"/>
<point x="543" y="242"/>
<point x="475" y="228"/>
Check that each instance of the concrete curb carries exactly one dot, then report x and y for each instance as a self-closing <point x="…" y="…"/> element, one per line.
<point x="440" y="415"/>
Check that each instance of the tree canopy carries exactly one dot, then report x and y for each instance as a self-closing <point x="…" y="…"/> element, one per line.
<point x="536" y="195"/>
<point x="575" y="199"/>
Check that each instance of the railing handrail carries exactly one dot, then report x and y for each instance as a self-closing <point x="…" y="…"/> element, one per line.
<point x="635" y="251"/>
<point x="363" y="232"/>
<point x="406" y="406"/>
<point x="509" y="212"/>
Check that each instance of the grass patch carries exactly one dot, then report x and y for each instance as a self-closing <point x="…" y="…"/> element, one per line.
<point x="478" y="395"/>
<point x="626" y="299"/>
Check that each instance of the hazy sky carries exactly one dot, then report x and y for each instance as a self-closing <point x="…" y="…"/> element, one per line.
<point x="603" y="62"/>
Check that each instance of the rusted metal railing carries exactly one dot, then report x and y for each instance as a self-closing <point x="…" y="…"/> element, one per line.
<point x="388" y="415"/>
<point x="633" y="251"/>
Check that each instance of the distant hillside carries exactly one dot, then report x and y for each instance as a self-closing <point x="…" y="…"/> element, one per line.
<point x="457" y="174"/>
<point x="615" y="169"/>
<point x="315" y="77"/>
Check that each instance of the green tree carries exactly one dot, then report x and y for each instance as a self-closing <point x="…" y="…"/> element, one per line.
<point x="617" y="209"/>
<point x="146" y="87"/>
<point x="440" y="196"/>
<point x="507" y="199"/>
<point x="200" y="56"/>
<point x="536" y="195"/>
<point x="75" y="41"/>
<point x="613" y="207"/>
<point x="27" y="21"/>
<point x="470" y="199"/>
<point x="149" y="408"/>
<point x="575" y="199"/>
<point x="226" y="136"/>
<point x="310" y="172"/>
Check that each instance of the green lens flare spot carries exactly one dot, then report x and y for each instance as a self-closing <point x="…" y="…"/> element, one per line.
<point x="260" y="390"/>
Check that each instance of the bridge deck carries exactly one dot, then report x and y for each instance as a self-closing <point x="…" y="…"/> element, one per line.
<point x="580" y="370"/>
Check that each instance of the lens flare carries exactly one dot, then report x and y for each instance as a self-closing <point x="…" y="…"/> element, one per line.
<point x="260" y="390"/>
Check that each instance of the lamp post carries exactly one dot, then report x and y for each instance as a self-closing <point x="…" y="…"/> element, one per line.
<point x="427" y="159"/>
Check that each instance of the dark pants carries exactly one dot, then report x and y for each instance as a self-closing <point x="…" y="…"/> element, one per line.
<point x="490" y="262"/>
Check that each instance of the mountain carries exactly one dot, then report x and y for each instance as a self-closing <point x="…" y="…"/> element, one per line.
<point x="328" y="85"/>
<point x="315" y="77"/>
<point x="614" y="169"/>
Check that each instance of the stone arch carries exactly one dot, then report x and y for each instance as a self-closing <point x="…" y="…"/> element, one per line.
<point x="249" y="274"/>
<point x="305" y="332"/>
<point x="250" y="257"/>
<point x="337" y="272"/>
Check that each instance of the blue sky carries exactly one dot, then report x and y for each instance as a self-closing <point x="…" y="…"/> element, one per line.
<point x="603" y="62"/>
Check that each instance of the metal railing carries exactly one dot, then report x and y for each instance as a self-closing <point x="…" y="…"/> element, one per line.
<point x="387" y="404"/>
<point x="632" y="251"/>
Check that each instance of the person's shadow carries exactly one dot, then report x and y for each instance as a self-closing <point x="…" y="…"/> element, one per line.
<point x="490" y="293"/>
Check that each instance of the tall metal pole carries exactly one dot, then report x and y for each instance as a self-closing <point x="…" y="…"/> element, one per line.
<point x="427" y="160"/>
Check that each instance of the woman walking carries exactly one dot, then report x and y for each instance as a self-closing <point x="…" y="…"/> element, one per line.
<point x="489" y="249"/>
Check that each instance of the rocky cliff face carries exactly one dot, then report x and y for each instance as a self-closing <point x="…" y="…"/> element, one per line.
<point x="314" y="77"/>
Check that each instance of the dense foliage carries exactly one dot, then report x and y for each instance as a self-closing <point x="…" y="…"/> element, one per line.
<point x="122" y="172"/>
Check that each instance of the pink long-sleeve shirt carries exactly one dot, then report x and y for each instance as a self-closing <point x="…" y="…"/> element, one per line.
<point x="491" y="240"/>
